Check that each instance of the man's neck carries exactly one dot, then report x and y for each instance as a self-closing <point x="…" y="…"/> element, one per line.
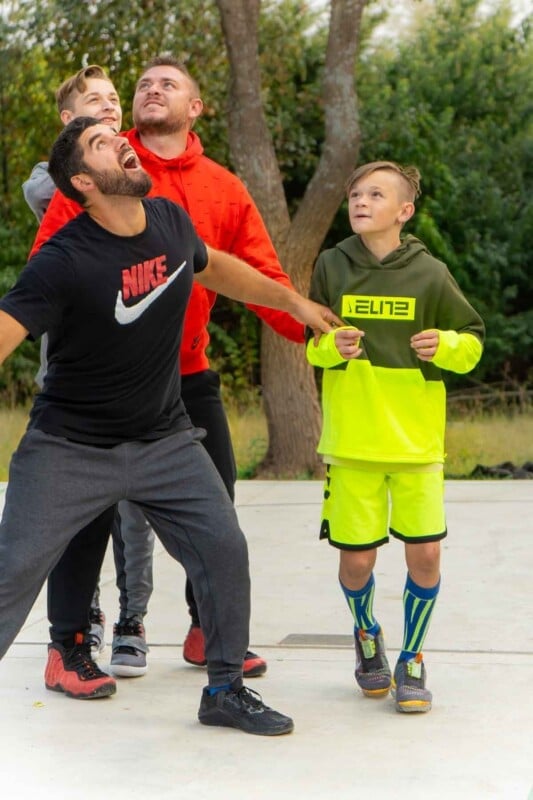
<point x="122" y="216"/>
<point x="165" y="145"/>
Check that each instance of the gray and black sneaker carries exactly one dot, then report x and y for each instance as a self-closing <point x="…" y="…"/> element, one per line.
<point x="96" y="635"/>
<point x="372" y="671"/>
<point x="409" y="686"/>
<point x="128" y="659"/>
<point x="242" y="708"/>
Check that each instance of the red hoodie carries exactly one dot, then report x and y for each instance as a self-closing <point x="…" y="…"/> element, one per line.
<point x="224" y="216"/>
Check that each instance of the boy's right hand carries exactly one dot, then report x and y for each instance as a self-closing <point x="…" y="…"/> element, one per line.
<point x="347" y="341"/>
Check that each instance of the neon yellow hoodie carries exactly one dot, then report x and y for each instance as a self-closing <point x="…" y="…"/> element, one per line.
<point x="388" y="406"/>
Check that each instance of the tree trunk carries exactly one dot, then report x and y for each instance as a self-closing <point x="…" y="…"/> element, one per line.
<point x="289" y="390"/>
<point x="292" y="406"/>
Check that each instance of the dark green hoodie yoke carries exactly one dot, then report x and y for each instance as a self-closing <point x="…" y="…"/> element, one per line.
<point x="409" y="291"/>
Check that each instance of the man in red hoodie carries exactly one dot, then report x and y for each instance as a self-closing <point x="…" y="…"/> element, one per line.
<point x="165" y="106"/>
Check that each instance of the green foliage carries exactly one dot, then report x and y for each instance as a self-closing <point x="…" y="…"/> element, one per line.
<point x="455" y="99"/>
<point x="453" y="96"/>
<point x="234" y="349"/>
<point x="292" y="94"/>
<point x="24" y="98"/>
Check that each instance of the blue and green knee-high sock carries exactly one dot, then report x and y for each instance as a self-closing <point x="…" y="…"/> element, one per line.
<point x="361" y="603"/>
<point x="418" y="605"/>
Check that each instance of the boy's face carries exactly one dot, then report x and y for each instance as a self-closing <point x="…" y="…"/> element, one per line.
<point x="377" y="204"/>
<point x="100" y="100"/>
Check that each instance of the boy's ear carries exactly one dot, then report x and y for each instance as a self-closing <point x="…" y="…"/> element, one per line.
<point x="408" y="209"/>
<point x="66" y="116"/>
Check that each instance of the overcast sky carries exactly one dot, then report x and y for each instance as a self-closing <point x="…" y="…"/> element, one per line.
<point x="400" y="11"/>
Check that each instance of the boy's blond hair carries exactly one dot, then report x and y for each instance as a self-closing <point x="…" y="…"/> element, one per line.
<point x="410" y="176"/>
<point x="78" y="83"/>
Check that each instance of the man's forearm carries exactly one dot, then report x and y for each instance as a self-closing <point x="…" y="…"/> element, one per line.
<point x="12" y="333"/>
<point x="235" y="279"/>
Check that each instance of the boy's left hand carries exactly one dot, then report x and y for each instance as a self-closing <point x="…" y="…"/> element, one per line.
<point x="425" y="344"/>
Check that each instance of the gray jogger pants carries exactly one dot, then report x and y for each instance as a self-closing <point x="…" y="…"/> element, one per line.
<point x="133" y="548"/>
<point x="56" y="487"/>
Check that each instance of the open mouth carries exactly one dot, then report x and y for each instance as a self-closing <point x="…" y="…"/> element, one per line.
<point x="130" y="161"/>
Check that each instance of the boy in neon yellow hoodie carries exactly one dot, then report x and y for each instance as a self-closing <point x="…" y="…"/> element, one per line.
<point x="384" y="410"/>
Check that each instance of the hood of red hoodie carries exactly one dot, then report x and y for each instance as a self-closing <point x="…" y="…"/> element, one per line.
<point x="192" y="152"/>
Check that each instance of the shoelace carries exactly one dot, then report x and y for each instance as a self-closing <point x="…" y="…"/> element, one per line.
<point x="81" y="661"/>
<point x="250" y="698"/>
<point x="130" y="627"/>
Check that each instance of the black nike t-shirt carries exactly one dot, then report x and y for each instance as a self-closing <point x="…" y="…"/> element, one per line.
<point x="113" y="307"/>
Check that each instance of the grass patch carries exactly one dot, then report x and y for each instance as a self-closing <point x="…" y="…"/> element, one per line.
<point x="487" y="439"/>
<point x="12" y="426"/>
<point x="484" y="438"/>
<point x="249" y="434"/>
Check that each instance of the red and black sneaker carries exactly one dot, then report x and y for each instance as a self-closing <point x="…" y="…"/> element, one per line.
<point x="194" y="653"/>
<point x="253" y="665"/>
<point x="73" y="671"/>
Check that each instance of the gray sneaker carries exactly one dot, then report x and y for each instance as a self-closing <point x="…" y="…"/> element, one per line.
<point x="128" y="659"/>
<point x="372" y="671"/>
<point x="409" y="686"/>
<point x="95" y="637"/>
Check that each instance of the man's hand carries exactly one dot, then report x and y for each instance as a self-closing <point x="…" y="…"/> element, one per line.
<point x="347" y="342"/>
<point x="425" y="344"/>
<point x="319" y="318"/>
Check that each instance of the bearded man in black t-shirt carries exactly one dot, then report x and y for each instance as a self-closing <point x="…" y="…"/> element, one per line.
<point x="111" y="288"/>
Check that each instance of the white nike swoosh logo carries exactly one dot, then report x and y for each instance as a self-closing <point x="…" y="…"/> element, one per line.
<point x="124" y="315"/>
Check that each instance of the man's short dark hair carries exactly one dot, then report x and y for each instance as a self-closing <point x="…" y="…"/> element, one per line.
<point x="168" y="60"/>
<point x="66" y="158"/>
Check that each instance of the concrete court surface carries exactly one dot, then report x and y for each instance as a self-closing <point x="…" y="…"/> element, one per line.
<point x="476" y="744"/>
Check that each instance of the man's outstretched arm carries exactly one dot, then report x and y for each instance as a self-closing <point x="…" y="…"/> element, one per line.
<point x="235" y="279"/>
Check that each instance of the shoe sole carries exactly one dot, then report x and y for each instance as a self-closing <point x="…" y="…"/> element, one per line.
<point x="253" y="672"/>
<point x="126" y="671"/>
<point x="225" y="722"/>
<point x="375" y="694"/>
<point x="411" y="706"/>
<point x="101" y="691"/>
<point x="195" y="663"/>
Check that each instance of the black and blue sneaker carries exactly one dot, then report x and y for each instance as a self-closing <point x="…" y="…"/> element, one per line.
<point x="242" y="708"/>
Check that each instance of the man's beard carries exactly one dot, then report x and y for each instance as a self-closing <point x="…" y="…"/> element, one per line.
<point x="122" y="183"/>
<point x="160" y="127"/>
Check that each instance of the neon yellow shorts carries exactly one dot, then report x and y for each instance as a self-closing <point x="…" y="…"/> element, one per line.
<point x="361" y="507"/>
